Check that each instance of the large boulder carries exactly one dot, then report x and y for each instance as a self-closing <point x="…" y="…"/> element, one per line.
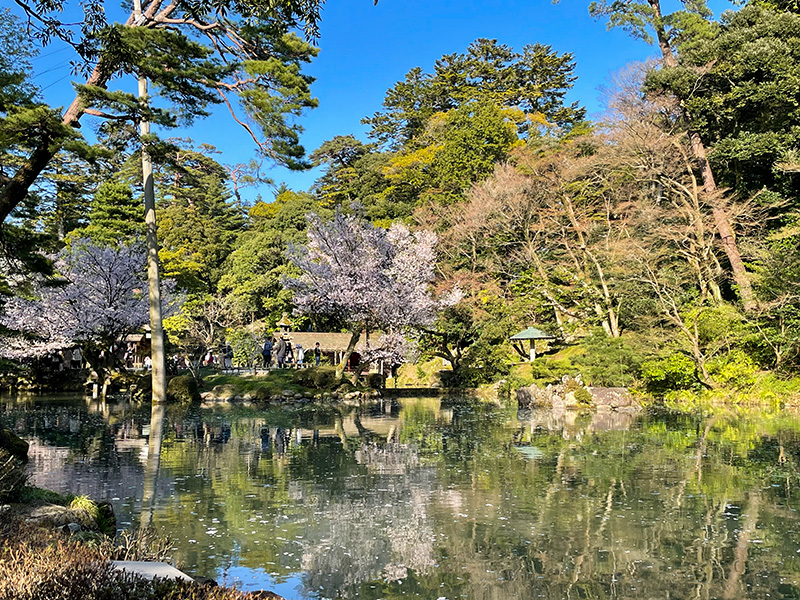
<point x="13" y="444"/>
<point x="614" y="398"/>
<point x="572" y="393"/>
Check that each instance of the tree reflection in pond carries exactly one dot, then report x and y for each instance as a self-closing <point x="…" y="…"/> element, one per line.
<point x="461" y="500"/>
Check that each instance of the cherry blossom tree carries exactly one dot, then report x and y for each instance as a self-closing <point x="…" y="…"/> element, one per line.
<point x="99" y="297"/>
<point x="367" y="277"/>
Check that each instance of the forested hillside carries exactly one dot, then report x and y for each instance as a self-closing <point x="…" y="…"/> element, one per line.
<point x="659" y="243"/>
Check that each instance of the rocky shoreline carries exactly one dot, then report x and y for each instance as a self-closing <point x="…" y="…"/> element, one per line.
<point x="572" y="393"/>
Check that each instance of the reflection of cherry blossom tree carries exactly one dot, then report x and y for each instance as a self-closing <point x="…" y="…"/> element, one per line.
<point x="98" y="300"/>
<point x="367" y="277"/>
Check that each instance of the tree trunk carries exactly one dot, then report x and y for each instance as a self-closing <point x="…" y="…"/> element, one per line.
<point x="721" y="221"/>
<point x="157" y="354"/>
<point x="15" y="190"/>
<point x="358" y="372"/>
<point x="354" y="337"/>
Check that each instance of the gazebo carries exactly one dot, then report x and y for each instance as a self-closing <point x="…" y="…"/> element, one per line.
<point x="532" y="334"/>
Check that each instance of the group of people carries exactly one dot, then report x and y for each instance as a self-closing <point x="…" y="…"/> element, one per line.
<point x="223" y="357"/>
<point x="285" y="355"/>
<point x="67" y="359"/>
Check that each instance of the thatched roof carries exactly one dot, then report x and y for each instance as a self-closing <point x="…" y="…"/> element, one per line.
<point x="328" y="342"/>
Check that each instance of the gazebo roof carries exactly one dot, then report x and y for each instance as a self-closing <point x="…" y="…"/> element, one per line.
<point x="531" y="333"/>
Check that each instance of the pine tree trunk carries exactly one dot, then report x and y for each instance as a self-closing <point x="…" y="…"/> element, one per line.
<point x="16" y="188"/>
<point x="722" y="224"/>
<point x="157" y="355"/>
<point x="713" y="196"/>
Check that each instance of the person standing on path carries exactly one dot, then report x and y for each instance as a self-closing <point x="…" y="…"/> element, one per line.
<point x="280" y="352"/>
<point x="266" y="354"/>
<point x="317" y="354"/>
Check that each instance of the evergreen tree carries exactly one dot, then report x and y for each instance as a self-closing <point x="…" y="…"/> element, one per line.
<point x="198" y="228"/>
<point x="534" y="81"/>
<point x="253" y="272"/>
<point x="742" y="86"/>
<point x="194" y="53"/>
<point x="115" y="216"/>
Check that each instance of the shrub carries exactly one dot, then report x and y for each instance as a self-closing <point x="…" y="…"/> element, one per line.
<point x="375" y="380"/>
<point x="304" y="377"/>
<point x="609" y="362"/>
<point x="66" y="570"/>
<point x="674" y="372"/>
<point x="546" y="370"/>
<point x="12" y="477"/>
<point x="583" y="396"/>
<point x="183" y="390"/>
<point x="321" y="378"/>
<point x="139" y="544"/>
<point x="324" y="377"/>
<point x="734" y="370"/>
<point x="262" y="394"/>
<point x="246" y="346"/>
<point x="36" y="495"/>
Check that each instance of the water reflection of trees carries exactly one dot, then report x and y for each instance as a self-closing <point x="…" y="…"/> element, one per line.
<point x="436" y="501"/>
<point x="611" y="519"/>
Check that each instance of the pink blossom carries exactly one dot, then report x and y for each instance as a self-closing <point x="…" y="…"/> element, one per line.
<point x="100" y="296"/>
<point x="364" y="275"/>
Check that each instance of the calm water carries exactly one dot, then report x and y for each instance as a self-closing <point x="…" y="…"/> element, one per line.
<point x="444" y="499"/>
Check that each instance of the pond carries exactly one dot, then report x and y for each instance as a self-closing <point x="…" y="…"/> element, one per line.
<point x="443" y="499"/>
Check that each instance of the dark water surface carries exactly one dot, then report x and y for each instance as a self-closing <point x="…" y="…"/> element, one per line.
<point x="443" y="499"/>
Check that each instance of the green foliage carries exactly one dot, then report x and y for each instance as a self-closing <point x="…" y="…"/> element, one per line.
<point x="246" y="346"/>
<point x="254" y="269"/>
<point x="16" y="51"/>
<point x="640" y="20"/>
<point x="37" y="495"/>
<point x="773" y="336"/>
<point x="375" y="381"/>
<point x="488" y="358"/>
<point x="582" y="395"/>
<point x="261" y="386"/>
<point x="734" y="370"/>
<point x="546" y="369"/>
<point x="745" y="103"/>
<point x="259" y="74"/>
<point x="198" y="226"/>
<point x="320" y="378"/>
<point x="534" y="81"/>
<point x="672" y="372"/>
<point x="448" y="129"/>
<point x="183" y="389"/>
<point x="611" y="362"/>
<point x="114" y="216"/>
<point x="87" y="506"/>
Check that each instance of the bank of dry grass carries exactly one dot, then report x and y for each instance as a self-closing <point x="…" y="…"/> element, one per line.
<point x="42" y="564"/>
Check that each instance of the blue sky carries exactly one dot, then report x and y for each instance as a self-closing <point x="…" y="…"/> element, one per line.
<point x="366" y="49"/>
